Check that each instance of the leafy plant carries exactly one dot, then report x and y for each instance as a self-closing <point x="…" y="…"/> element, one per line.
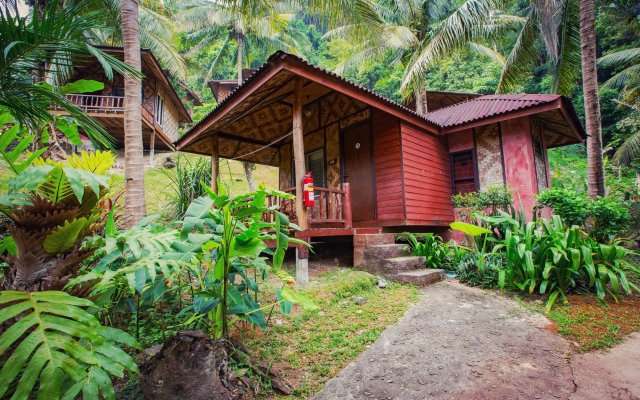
<point x="604" y="218"/>
<point x="185" y="183"/>
<point x="487" y="202"/>
<point x="224" y="286"/>
<point x="431" y="247"/>
<point x="51" y="207"/>
<point x="58" y="347"/>
<point x="546" y="256"/>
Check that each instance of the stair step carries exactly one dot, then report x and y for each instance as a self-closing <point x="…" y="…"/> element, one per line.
<point x="401" y="264"/>
<point x="421" y="277"/>
<point x="383" y="251"/>
<point x="368" y="239"/>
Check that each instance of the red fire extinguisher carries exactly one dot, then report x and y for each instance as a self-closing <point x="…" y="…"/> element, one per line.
<point x="307" y="189"/>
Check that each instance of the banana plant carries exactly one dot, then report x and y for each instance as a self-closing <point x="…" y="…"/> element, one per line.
<point x="245" y="224"/>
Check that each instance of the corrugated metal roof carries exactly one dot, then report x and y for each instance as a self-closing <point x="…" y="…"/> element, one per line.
<point x="485" y="107"/>
<point x="278" y="54"/>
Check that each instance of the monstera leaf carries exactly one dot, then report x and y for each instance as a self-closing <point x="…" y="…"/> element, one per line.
<point x="59" y="348"/>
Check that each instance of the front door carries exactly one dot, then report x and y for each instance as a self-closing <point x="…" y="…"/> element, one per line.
<point x="358" y="170"/>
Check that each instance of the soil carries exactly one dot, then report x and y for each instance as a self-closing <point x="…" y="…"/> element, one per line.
<point x="465" y="343"/>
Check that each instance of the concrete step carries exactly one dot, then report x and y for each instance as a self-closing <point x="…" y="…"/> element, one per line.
<point x="383" y="251"/>
<point x="422" y="277"/>
<point x="397" y="265"/>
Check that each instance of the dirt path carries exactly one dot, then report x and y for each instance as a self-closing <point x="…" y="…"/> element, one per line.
<point x="463" y="343"/>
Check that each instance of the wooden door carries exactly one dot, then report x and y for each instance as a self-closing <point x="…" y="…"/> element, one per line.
<point x="358" y="170"/>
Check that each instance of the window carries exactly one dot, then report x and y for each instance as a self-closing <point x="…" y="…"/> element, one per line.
<point x="463" y="171"/>
<point x="117" y="91"/>
<point x="314" y="163"/>
<point x="158" y="108"/>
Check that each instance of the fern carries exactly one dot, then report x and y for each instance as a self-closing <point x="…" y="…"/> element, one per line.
<point x="64" y="237"/>
<point x="59" y="347"/>
<point x="98" y="162"/>
<point x="9" y="158"/>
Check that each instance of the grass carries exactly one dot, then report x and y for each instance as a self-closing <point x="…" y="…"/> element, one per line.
<point x="310" y="348"/>
<point x="158" y="192"/>
<point x="595" y="326"/>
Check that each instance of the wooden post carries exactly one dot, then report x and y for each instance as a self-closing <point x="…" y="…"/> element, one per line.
<point x="152" y="145"/>
<point x="215" y="162"/>
<point x="302" y="256"/>
<point x="346" y="205"/>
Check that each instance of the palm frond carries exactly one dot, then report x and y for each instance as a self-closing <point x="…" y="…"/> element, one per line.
<point x="489" y="52"/>
<point x="523" y="55"/>
<point x="566" y="66"/>
<point x="620" y="57"/>
<point x="629" y="150"/>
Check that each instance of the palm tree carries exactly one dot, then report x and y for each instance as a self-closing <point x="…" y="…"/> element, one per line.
<point x="416" y="33"/>
<point x="48" y="46"/>
<point x="627" y="80"/>
<point x="595" y="162"/>
<point x="261" y="27"/>
<point x="133" y="148"/>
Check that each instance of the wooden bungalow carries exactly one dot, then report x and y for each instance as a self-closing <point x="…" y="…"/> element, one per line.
<point x="162" y="110"/>
<point x="378" y="166"/>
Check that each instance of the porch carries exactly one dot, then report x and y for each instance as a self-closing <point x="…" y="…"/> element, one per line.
<point x="109" y="111"/>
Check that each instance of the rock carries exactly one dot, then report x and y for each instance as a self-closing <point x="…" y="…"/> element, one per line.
<point x="278" y="322"/>
<point x="189" y="366"/>
<point x="169" y="163"/>
<point x="382" y="283"/>
<point x="358" y="300"/>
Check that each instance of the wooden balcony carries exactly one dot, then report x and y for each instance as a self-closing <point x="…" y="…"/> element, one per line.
<point x="102" y="104"/>
<point x="331" y="212"/>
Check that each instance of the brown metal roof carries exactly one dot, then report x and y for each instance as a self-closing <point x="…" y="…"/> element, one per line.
<point x="486" y="106"/>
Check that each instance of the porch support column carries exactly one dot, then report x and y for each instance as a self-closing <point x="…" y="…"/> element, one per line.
<point x="302" y="254"/>
<point x="215" y="162"/>
<point x="152" y="147"/>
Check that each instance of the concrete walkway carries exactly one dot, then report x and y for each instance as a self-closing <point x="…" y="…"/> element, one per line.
<point x="464" y="343"/>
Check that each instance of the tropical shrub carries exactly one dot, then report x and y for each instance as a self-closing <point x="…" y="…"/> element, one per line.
<point x="430" y="246"/>
<point x="546" y="256"/>
<point x="496" y="198"/>
<point x="571" y="206"/>
<point x="604" y="218"/>
<point x="50" y="342"/>
<point x="185" y="184"/>
<point x="225" y="291"/>
<point x="608" y="219"/>
<point x="480" y="269"/>
<point x="58" y="348"/>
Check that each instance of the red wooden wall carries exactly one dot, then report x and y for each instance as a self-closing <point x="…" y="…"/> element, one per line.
<point x="387" y="160"/>
<point x="427" y="177"/>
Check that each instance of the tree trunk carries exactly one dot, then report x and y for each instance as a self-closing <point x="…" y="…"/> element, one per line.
<point x="421" y="101"/>
<point x="248" y="166"/>
<point x="595" y="163"/>
<point x="133" y="147"/>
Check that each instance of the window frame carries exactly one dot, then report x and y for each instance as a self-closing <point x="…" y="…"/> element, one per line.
<point x="306" y="163"/>
<point x="474" y="165"/>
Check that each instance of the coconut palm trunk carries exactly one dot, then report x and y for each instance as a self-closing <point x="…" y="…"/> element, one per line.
<point x="248" y="166"/>
<point x="133" y="146"/>
<point x="595" y="163"/>
<point x="421" y="101"/>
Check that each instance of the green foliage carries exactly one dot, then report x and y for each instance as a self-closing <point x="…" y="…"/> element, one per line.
<point x="224" y="287"/>
<point x="185" y="184"/>
<point x="59" y="348"/>
<point x="548" y="257"/>
<point x="480" y="269"/>
<point x="570" y="205"/>
<point x="486" y="202"/>
<point x="431" y="247"/>
<point x="604" y="218"/>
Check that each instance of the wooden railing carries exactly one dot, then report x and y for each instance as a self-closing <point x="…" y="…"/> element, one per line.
<point x="92" y="102"/>
<point x="332" y="207"/>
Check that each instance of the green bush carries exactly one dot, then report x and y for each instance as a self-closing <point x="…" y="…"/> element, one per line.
<point x="437" y="253"/>
<point x="480" y="269"/>
<point x="604" y="218"/>
<point x="496" y="198"/>
<point x="608" y="218"/>
<point x="548" y="257"/>
<point x="185" y="183"/>
<point x="571" y="206"/>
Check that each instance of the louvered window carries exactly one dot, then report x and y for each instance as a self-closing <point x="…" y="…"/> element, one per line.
<point x="314" y="162"/>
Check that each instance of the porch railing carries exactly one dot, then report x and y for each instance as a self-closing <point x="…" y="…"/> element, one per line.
<point x="92" y="102"/>
<point x="332" y="207"/>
